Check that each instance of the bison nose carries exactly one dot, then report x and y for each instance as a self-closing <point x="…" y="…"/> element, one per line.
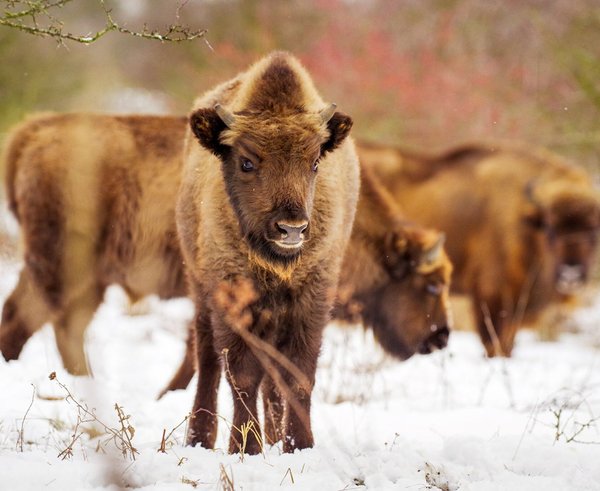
<point x="570" y="278"/>
<point x="438" y="339"/>
<point x="292" y="233"/>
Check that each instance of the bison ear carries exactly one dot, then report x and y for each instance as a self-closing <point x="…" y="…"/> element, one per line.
<point x="396" y="254"/>
<point x="207" y="125"/>
<point x="339" y="126"/>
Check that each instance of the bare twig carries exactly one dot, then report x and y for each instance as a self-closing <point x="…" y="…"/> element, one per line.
<point x="165" y="439"/>
<point x="122" y="437"/>
<point x="24" y="15"/>
<point x="127" y="433"/>
<point x="290" y="473"/>
<point x="21" y="431"/>
<point x="225" y="480"/>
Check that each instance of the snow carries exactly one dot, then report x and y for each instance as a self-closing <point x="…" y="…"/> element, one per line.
<point x="452" y="420"/>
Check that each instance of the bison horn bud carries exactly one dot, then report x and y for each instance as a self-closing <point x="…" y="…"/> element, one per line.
<point x="530" y="192"/>
<point x="433" y="254"/>
<point x="327" y="113"/>
<point x="226" y="116"/>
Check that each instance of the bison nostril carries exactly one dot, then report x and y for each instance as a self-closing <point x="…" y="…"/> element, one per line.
<point x="282" y="230"/>
<point x="292" y="232"/>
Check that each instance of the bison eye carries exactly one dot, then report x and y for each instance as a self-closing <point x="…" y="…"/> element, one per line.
<point x="247" y="165"/>
<point x="434" y="289"/>
<point x="315" y="165"/>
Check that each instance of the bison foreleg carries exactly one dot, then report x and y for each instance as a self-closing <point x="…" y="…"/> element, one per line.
<point x="302" y="352"/>
<point x="244" y="374"/>
<point x="70" y="327"/>
<point x="203" y="423"/>
<point x="273" y="411"/>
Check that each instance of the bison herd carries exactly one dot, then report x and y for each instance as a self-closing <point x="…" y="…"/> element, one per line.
<point x="262" y="209"/>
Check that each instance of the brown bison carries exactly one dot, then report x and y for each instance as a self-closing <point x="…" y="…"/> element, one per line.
<point x="94" y="196"/>
<point x="395" y="280"/>
<point x="521" y="225"/>
<point x="267" y="201"/>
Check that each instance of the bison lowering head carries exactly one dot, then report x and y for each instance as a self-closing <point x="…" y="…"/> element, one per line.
<point x="270" y="165"/>
<point x="568" y="215"/>
<point x="408" y="306"/>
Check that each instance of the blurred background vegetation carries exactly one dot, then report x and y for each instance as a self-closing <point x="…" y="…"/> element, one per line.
<point x="421" y="73"/>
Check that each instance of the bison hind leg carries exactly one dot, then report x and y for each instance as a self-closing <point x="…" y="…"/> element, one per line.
<point x="496" y="327"/>
<point x="24" y="313"/>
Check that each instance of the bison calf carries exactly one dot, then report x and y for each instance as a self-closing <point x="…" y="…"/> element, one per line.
<point x="268" y="195"/>
<point x="521" y="225"/>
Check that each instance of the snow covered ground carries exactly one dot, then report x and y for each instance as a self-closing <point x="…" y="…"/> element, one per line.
<point x="448" y="421"/>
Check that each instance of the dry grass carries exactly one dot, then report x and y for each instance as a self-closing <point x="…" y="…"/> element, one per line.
<point x="121" y="437"/>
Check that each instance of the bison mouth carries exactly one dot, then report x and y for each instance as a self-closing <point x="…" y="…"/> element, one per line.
<point x="569" y="279"/>
<point x="288" y="245"/>
<point x="277" y="252"/>
<point x="438" y="339"/>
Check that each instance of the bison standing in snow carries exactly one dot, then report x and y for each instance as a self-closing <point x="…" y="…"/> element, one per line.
<point x="265" y="210"/>
<point x="94" y="196"/>
<point x="521" y="225"/>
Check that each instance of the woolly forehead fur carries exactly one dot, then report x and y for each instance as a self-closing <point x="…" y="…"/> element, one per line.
<point x="277" y="97"/>
<point x="299" y="134"/>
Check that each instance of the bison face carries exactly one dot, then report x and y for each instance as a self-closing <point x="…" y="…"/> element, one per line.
<point x="569" y="222"/>
<point x="270" y="166"/>
<point x="409" y="312"/>
<point x="572" y="237"/>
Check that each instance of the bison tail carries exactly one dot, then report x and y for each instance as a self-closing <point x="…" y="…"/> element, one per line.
<point x="13" y="149"/>
<point x="14" y="146"/>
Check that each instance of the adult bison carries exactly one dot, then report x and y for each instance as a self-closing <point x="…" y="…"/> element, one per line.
<point x="521" y="225"/>
<point x="95" y="199"/>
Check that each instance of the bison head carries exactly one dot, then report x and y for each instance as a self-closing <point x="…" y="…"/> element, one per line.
<point x="408" y="307"/>
<point x="568" y="216"/>
<point x="270" y="166"/>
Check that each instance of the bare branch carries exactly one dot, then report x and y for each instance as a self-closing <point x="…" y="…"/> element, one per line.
<point x="37" y="17"/>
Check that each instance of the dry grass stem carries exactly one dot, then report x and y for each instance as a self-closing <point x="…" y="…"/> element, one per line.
<point x="22" y="430"/>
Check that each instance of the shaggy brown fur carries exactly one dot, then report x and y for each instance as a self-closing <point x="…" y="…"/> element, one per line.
<point x="395" y="279"/>
<point x="521" y="225"/>
<point x="248" y="180"/>
<point x="94" y="209"/>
